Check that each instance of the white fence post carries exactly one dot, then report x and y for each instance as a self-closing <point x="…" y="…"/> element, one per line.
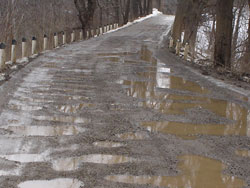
<point x="64" y="37"/>
<point x="2" y="56"/>
<point x="45" y="42"/>
<point x="33" y="46"/>
<point x="13" y="51"/>
<point x="24" y="47"/>
<point x="73" y="36"/>
<point x="55" y="40"/>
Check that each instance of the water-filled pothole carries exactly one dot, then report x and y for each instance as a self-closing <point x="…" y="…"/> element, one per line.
<point x="45" y="131"/>
<point x="106" y="144"/>
<point x="60" y="183"/>
<point x="196" y="172"/>
<point x="73" y="163"/>
<point x="243" y="153"/>
<point x="25" y="158"/>
<point x="63" y="119"/>
<point x="187" y="129"/>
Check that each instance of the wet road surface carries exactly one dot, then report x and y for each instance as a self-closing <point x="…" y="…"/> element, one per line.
<point x="121" y="111"/>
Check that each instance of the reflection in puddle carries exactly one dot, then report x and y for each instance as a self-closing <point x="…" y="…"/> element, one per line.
<point x="64" y="119"/>
<point x="133" y="136"/>
<point x="197" y="172"/>
<point x="11" y="172"/>
<point x="158" y="77"/>
<point x="60" y="183"/>
<point x="73" y="108"/>
<point x="163" y="81"/>
<point x="108" y="144"/>
<point x="46" y="130"/>
<point x="70" y="164"/>
<point x="243" y="153"/>
<point x="187" y="129"/>
<point x="25" y="158"/>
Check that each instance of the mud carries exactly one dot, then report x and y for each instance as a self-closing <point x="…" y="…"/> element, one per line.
<point x="120" y="111"/>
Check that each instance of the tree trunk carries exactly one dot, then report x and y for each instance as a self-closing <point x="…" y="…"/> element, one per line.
<point x="127" y="11"/>
<point x="223" y="35"/>
<point x="191" y="21"/>
<point x="179" y="20"/>
<point x="237" y="27"/>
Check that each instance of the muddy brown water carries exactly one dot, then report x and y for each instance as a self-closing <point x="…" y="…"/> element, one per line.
<point x="243" y="153"/>
<point x="196" y="172"/>
<point x="177" y="104"/>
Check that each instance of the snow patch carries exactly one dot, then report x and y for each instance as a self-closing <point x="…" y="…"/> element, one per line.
<point x="155" y="13"/>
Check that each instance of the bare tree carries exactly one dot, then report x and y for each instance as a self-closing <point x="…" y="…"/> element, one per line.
<point x="223" y="36"/>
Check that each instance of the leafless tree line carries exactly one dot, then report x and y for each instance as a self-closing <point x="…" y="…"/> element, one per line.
<point x="227" y="29"/>
<point x="28" y="18"/>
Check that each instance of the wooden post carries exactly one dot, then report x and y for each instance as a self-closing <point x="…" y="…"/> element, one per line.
<point x="55" y="40"/>
<point x="33" y="46"/>
<point x="92" y="32"/>
<point x="73" y="36"/>
<point x="171" y="43"/>
<point x="24" y="47"/>
<point x="178" y="47"/>
<point x="105" y="29"/>
<point x="13" y="51"/>
<point x="111" y="26"/>
<point x="64" y="37"/>
<point x="45" y="42"/>
<point x="2" y="56"/>
<point x="186" y="51"/>
<point x="81" y="35"/>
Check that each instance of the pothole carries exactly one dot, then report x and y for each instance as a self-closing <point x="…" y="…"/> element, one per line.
<point x="45" y="131"/>
<point x="62" y="183"/>
<point x="196" y="172"/>
<point x="243" y="153"/>
<point x="73" y="163"/>
<point x="106" y="144"/>
<point x="189" y="129"/>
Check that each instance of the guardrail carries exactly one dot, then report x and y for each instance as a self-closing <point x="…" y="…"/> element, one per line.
<point x="34" y="43"/>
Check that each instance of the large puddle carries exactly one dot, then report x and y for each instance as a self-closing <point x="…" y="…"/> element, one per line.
<point x="45" y="131"/>
<point x="196" y="172"/>
<point x="70" y="164"/>
<point x="188" y="129"/>
<point x="190" y="95"/>
<point x="60" y="183"/>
